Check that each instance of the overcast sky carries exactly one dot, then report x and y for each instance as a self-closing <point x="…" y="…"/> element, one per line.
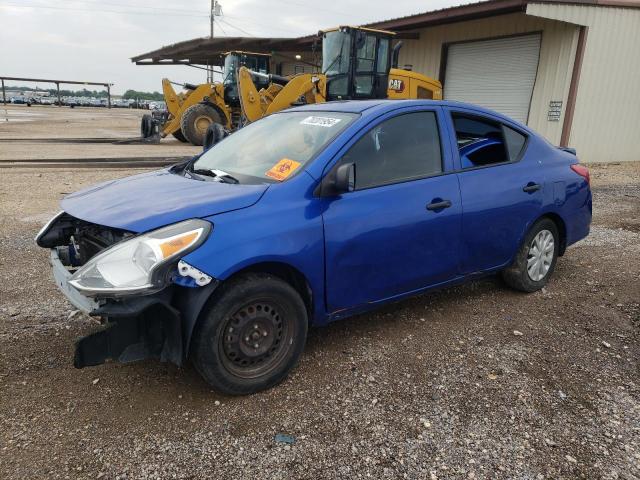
<point x="93" y="40"/>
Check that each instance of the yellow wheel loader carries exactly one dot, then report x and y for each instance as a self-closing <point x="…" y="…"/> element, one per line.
<point x="189" y="113"/>
<point x="357" y="64"/>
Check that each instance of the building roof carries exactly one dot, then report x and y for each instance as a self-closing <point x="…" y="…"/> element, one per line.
<point x="209" y="51"/>
<point x="489" y="8"/>
<point x="205" y="51"/>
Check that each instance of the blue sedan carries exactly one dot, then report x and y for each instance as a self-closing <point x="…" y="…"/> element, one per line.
<point x="308" y="216"/>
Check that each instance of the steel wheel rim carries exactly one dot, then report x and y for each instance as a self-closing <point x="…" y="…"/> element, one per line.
<point x="540" y="255"/>
<point x="255" y="339"/>
<point x="202" y="123"/>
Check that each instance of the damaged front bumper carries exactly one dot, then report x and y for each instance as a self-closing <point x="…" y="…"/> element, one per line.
<point x="62" y="276"/>
<point x="159" y="325"/>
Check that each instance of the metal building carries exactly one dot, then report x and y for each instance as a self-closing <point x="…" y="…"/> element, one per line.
<point x="568" y="69"/>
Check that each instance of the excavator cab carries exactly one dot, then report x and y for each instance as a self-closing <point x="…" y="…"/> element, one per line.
<point x="256" y="62"/>
<point x="356" y="62"/>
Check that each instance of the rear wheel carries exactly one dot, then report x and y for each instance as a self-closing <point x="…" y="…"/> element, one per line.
<point x="536" y="258"/>
<point x="251" y="335"/>
<point x="195" y="121"/>
<point x="146" y="126"/>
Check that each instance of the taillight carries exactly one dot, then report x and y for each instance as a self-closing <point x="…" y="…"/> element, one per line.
<point x="582" y="171"/>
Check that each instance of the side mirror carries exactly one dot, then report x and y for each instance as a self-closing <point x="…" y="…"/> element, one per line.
<point x="346" y="178"/>
<point x="339" y="181"/>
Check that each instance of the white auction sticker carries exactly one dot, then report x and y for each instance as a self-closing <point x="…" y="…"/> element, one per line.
<point x="321" y="121"/>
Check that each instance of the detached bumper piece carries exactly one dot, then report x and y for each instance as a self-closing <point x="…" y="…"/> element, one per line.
<point x="150" y="329"/>
<point x="155" y="326"/>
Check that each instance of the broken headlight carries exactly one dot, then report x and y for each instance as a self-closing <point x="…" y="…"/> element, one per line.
<point x="140" y="263"/>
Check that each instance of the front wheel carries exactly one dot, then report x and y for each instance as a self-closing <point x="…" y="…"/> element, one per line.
<point x="251" y="335"/>
<point x="536" y="258"/>
<point x="195" y="121"/>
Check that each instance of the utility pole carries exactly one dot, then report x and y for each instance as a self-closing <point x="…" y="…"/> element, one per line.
<point x="216" y="11"/>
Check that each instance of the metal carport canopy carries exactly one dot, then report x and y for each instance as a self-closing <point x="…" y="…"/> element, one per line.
<point x="209" y="51"/>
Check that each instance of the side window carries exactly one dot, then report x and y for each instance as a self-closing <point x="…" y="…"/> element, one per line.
<point x="485" y="142"/>
<point x="365" y="59"/>
<point x="515" y="142"/>
<point x="479" y="141"/>
<point x="366" y="53"/>
<point x="398" y="149"/>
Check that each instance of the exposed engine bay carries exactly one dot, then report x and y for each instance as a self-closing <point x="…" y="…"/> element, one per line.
<point x="77" y="241"/>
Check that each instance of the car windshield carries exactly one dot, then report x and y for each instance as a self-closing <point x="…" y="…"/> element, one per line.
<point x="273" y="148"/>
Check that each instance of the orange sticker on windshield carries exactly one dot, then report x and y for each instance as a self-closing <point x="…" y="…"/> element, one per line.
<point x="281" y="170"/>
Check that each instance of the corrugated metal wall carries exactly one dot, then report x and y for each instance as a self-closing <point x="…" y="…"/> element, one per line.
<point x="498" y="74"/>
<point x="557" y="52"/>
<point x="606" y="122"/>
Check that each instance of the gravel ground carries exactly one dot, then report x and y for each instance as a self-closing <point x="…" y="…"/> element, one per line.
<point x="469" y="382"/>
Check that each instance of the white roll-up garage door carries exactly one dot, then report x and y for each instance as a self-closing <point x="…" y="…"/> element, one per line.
<point x="497" y="74"/>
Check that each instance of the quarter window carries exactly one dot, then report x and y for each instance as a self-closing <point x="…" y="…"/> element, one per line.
<point x="515" y="142"/>
<point x="401" y="148"/>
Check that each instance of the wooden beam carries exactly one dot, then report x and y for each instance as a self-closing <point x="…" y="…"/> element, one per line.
<point x="573" y="87"/>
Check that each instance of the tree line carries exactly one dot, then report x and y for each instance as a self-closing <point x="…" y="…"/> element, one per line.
<point x="129" y="94"/>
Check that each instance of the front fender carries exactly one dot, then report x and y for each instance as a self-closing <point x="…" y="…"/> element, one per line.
<point x="275" y="230"/>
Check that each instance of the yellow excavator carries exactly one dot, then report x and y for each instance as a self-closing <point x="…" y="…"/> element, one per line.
<point x="190" y="112"/>
<point x="357" y="64"/>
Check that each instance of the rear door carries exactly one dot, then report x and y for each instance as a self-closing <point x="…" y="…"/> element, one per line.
<point x="399" y="231"/>
<point x="501" y="187"/>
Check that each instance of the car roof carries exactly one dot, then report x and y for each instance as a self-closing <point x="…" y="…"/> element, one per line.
<point x="385" y="105"/>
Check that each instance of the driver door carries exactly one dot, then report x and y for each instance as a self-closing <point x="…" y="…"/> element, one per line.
<point x="399" y="230"/>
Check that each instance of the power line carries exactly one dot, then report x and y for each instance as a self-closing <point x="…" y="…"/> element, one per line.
<point x="237" y="28"/>
<point x="217" y="22"/>
<point x="260" y="24"/>
<point x="155" y="9"/>
<point x="92" y="10"/>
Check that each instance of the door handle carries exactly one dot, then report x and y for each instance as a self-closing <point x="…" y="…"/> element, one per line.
<point x="531" y="187"/>
<point x="439" y="205"/>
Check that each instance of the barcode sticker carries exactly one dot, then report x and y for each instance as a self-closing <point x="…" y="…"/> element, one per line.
<point x="327" y="122"/>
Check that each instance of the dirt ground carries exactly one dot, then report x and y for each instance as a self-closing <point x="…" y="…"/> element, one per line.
<point x="476" y="381"/>
<point x="23" y="129"/>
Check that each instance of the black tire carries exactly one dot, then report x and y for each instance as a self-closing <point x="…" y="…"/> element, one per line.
<point x="214" y="134"/>
<point x="517" y="275"/>
<point x="178" y="134"/>
<point x="256" y="308"/>
<point x="195" y="121"/>
<point x="146" y="126"/>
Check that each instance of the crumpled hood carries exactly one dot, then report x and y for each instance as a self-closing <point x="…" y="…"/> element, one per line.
<point x="151" y="200"/>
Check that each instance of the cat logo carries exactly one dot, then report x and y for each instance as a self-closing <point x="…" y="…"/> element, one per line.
<point x="396" y="85"/>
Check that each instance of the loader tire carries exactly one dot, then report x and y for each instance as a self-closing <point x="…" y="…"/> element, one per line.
<point x="178" y="135"/>
<point x="195" y="121"/>
<point x="146" y="126"/>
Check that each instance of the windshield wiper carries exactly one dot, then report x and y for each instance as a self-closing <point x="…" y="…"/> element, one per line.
<point x="332" y="62"/>
<point x="219" y="175"/>
<point x="338" y="57"/>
